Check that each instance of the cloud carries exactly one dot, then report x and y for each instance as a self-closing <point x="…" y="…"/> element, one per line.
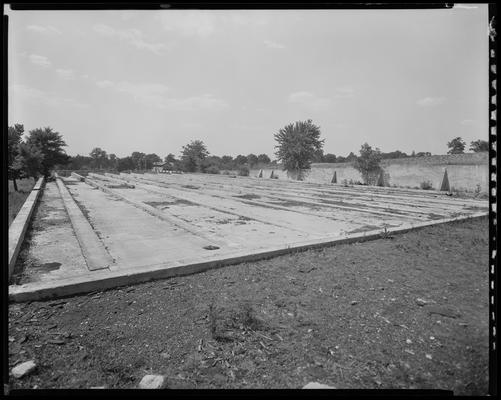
<point x="309" y="100"/>
<point x="155" y="95"/>
<point x="430" y="101"/>
<point x="345" y="92"/>
<point x="202" y="24"/>
<point x="66" y="73"/>
<point x="273" y="45"/>
<point x="464" y="6"/>
<point x="41" y="61"/>
<point x="104" y="84"/>
<point x="190" y="23"/>
<point x="45" y="30"/>
<point x="50" y="99"/>
<point x="202" y="102"/>
<point x="132" y="36"/>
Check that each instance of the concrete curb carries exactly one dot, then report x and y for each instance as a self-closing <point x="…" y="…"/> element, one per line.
<point x="95" y="255"/>
<point x="102" y="280"/>
<point x="19" y="226"/>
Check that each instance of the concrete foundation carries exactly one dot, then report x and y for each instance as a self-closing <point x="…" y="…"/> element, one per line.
<point x="162" y="225"/>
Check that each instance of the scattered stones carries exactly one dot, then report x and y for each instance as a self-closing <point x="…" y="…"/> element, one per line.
<point x="56" y="341"/>
<point x="422" y="302"/>
<point x="428" y="356"/>
<point x="354" y="302"/>
<point x="151" y="382"/>
<point x="316" y="385"/>
<point x="23" y="369"/>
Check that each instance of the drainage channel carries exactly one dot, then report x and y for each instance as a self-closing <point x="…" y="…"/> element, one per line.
<point x="93" y="250"/>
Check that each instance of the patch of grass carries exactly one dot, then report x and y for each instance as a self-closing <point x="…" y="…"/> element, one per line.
<point x="426" y="185"/>
<point x="16" y="199"/>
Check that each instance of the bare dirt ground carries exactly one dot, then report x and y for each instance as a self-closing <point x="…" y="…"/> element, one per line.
<point x="409" y="311"/>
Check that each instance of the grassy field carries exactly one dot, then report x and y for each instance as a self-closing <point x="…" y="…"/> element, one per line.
<point x="409" y="311"/>
<point x="17" y="199"/>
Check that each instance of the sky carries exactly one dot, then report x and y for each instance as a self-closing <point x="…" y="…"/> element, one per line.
<point x="152" y="81"/>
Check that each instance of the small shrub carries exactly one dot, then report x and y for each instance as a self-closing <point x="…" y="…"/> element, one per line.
<point x="345" y="183"/>
<point x="426" y="185"/>
<point x="212" y="170"/>
<point x="243" y="171"/>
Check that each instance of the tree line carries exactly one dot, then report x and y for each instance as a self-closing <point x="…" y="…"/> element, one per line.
<point x="195" y="157"/>
<point x="298" y="146"/>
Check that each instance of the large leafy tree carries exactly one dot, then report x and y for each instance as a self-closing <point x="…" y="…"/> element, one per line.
<point x="479" y="145"/>
<point x="263" y="159"/>
<point x="226" y="162"/>
<point x="29" y="161"/>
<point x="240" y="160"/>
<point x="170" y="158"/>
<point x="329" y="158"/>
<point x="456" y="146"/>
<point x="14" y="139"/>
<point x="113" y="161"/>
<point x="252" y="159"/>
<point x="193" y="154"/>
<point x="149" y="159"/>
<point x="50" y="144"/>
<point x="126" y="164"/>
<point x="297" y="146"/>
<point x="368" y="164"/>
<point x="99" y="157"/>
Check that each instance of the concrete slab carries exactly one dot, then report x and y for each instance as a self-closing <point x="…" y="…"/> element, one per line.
<point x="172" y="224"/>
<point x="104" y="279"/>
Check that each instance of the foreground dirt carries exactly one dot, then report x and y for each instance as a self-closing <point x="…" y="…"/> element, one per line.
<point x="347" y="316"/>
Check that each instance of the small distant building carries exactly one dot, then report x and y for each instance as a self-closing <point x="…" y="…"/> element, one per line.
<point x="161" y="167"/>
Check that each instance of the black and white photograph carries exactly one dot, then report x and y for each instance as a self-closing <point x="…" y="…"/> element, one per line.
<point x="249" y="198"/>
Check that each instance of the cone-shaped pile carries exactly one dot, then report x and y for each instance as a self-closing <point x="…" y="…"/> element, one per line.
<point x="380" y="181"/>
<point x="271" y="175"/>
<point x="334" y="178"/>
<point x="445" y="187"/>
<point x="260" y="173"/>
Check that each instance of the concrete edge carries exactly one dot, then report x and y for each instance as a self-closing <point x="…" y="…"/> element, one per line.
<point x="18" y="228"/>
<point x="103" y="280"/>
